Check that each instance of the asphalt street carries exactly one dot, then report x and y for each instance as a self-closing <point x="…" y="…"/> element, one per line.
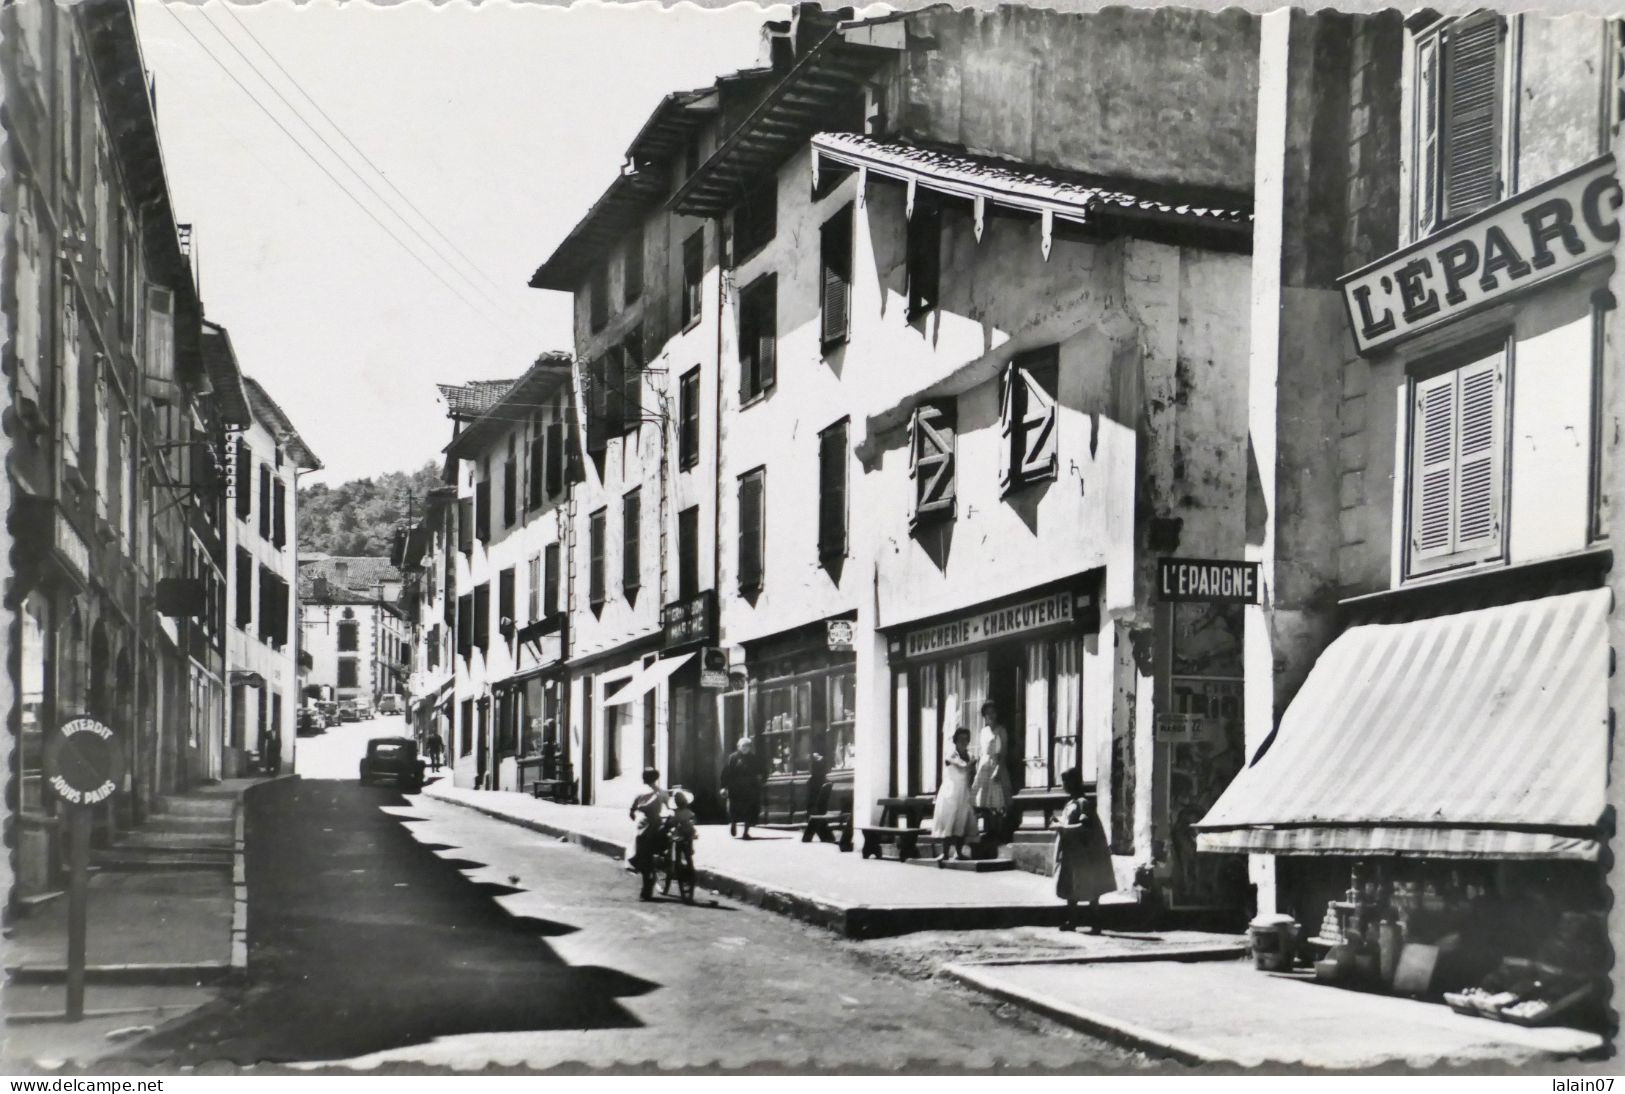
<point x="387" y="930"/>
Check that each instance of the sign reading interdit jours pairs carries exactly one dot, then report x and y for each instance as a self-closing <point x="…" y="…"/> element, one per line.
<point x="1208" y="580"/>
<point x="83" y="762"/>
<point x="1554" y="229"/>
<point x="989" y="625"/>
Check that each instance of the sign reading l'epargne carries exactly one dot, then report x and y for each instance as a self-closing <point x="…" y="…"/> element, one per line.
<point x="1207" y="580"/>
<point x="987" y="626"/>
<point x="1555" y="228"/>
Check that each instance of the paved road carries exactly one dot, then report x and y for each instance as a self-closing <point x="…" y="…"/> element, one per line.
<point x="387" y="929"/>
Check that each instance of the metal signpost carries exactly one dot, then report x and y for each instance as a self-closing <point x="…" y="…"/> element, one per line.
<point x="82" y="766"/>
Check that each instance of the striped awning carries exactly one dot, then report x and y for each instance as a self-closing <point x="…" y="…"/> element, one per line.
<point x="1477" y="735"/>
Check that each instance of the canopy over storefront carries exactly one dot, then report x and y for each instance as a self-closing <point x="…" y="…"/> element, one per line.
<point x="647" y="679"/>
<point x="1477" y="735"/>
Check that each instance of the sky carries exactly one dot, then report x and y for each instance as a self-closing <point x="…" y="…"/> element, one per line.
<point x="501" y="123"/>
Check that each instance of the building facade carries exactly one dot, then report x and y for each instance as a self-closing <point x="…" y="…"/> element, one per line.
<point x="352" y="625"/>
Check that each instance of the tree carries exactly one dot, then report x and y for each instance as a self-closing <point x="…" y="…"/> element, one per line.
<point x="360" y="517"/>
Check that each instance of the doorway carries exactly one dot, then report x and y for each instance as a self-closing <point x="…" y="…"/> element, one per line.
<point x="1007" y="688"/>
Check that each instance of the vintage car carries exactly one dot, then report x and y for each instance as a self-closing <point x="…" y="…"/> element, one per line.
<point x="347" y="712"/>
<point x="394" y="759"/>
<point x="311" y="722"/>
<point x="390" y="704"/>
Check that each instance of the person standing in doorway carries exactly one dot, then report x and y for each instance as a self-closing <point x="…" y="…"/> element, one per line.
<point x="742" y="779"/>
<point x="436" y="749"/>
<point x="1083" y="862"/>
<point x="990" y="790"/>
<point x="953" y="818"/>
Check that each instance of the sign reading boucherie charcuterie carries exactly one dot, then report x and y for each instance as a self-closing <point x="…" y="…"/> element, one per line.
<point x="990" y="625"/>
<point x="1207" y="580"/>
<point x="1554" y="229"/>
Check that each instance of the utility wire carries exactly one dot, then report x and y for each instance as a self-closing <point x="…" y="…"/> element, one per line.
<point x="337" y="155"/>
<point x="321" y="166"/>
<point x="229" y="10"/>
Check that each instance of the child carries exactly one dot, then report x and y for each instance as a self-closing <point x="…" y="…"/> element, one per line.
<point x="646" y="810"/>
<point x="682" y="825"/>
<point x="1083" y="862"/>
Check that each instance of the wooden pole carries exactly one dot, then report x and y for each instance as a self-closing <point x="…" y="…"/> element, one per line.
<point x="78" y="906"/>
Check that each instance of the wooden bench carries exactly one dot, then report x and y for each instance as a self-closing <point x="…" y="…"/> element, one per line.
<point x="912" y="810"/>
<point x="829" y="819"/>
<point x="1040" y="800"/>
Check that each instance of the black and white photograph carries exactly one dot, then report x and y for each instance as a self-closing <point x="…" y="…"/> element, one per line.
<point x="792" y="540"/>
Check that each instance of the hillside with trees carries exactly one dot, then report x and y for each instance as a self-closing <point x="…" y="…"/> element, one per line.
<point x="360" y="517"/>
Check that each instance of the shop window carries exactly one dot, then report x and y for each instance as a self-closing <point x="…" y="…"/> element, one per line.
<point x="807" y="713"/>
<point x="924" y="257"/>
<point x="693" y="278"/>
<point x="1027" y="419"/>
<point x="688" y="420"/>
<point x="832" y="483"/>
<point x="841" y="746"/>
<point x="632" y="267"/>
<point x="550" y="579"/>
<point x="755" y="219"/>
<point x="33" y="709"/>
<point x="349" y="637"/>
<point x="1460" y="89"/>
<point x="349" y="674"/>
<point x="688" y="553"/>
<point x="752" y="529"/>
<point x="931" y="462"/>
<point x="595" y="557"/>
<point x="1457" y="451"/>
<point x="835" y="249"/>
<point x="598" y="299"/>
<point x="758" y="338"/>
<point x="631" y="532"/>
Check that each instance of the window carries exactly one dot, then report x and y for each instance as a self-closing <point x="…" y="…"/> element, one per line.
<point x="631" y="514"/>
<point x="811" y="712"/>
<point x="349" y="637"/>
<point x="931" y="462"/>
<point x="598" y="299"/>
<point x="533" y="588"/>
<point x="631" y="393"/>
<point x="688" y="553"/>
<point x="349" y="674"/>
<point x="482" y="510"/>
<point x="1460" y="87"/>
<point x="265" y="501"/>
<point x="510" y="489"/>
<point x="465" y="527"/>
<point x="279" y="531"/>
<point x="553" y="473"/>
<point x="756" y="219"/>
<point x="1027" y="419"/>
<point x="465" y="626"/>
<point x="270" y="605"/>
<point x="924" y="257"/>
<point x="758" y="331"/>
<point x="606" y="392"/>
<point x="245" y="589"/>
<point x="245" y="480"/>
<point x="835" y="247"/>
<point x="688" y="420"/>
<point x="507" y="596"/>
<point x="595" y="554"/>
<point x="752" y="509"/>
<point x="465" y="740"/>
<point x="1458" y="441"/>
<point x="538" y="479"/>
<point x="832" y="457"/>
<point x="632" y="276"/>
<point x="693" y="277"/>
<point x="482" y="616"/>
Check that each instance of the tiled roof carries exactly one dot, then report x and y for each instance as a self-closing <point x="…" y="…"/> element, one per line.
<point x="362" y="573"/>
<point x="474" y="398"/>
<point x="225" y="379"/>
<point x="1066" y="194"/>
<point x="547" y="377"/>
<point x="273" y="418"/>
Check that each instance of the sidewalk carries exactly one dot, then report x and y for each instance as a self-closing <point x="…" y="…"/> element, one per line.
<point x="1229" y="1012"/>
<point x="810" y="881"/>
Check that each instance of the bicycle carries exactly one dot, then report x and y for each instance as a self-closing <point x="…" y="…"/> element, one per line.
<point x="676" y="863"/>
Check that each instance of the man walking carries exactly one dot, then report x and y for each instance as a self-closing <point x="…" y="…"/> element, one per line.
<point x="437" y="749"/>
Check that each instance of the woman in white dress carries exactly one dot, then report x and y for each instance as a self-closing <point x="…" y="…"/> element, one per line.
<point x="990" y="790"/>
<point x="953" y="819"/>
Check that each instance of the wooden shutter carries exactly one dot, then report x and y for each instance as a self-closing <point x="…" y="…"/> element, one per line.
<point x="836" y="247"/>
<point x="280" y="526"/>
<point x="1009" y="428"/>
<point x="245" y="480"/>
<point x="1427" y="136"/>
<point x="506" y="608"/>
<point x="689" y="421"/>
<point x="550" y="580"/>
<point x="931" y="462"/>
<point x="1457" y="459"/>
<point x="832" y="459"/>
<point x="1434" y="474"/>
<point x="284" y="604"/>
<point x="595" y="555"/>
<point x="1470" y="123"/>
<point x="750" y="532"/>
<point x="540" y="471"/>
<point x="245" y="588"/>
<point x="553" y="475"/>
<point x="688" y="552"/>
<point x="265" y="502"/>
<point x="482" y="616"/>
<point x="693" y="275"/>
<point x="924" y="257"/>
<point x="482" y="510"/>
<point x="510" y="490"/>
<point x="632" y="381"/>
<point x="1037" y="439"/>
<point x="631" y="529"/>
<point x="1478" y="451"/>
<point x="767" y="322"/>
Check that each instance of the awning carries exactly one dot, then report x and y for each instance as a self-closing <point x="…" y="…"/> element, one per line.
<point x="647" y="679"/>
<point x="1477" y="735"/>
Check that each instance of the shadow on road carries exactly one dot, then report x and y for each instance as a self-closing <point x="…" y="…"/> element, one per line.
<point x="361" y="939"/>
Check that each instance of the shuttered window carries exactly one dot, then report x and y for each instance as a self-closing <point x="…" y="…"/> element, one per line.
<point x="1457" y="453"/>
<point x="595" y="556"/>
<point x="832" y="474"/>
<point x="924" y="257"/>
<point x="245" y="589"/>
<point x="756" y="219"/>
<point x="245" y="480"/>
<point x="482" y="510"/>
<point x="279" y="528"/>
<point x="931" y="462"/>
<point x="752" y="510"/>
<point x="465" y="626"/>
<point x="550" y="580"/>
<point x="693" y="277"/>
<point x="539" y="478"/>
<point x="631" y="533"/>
<point x="688" y="420"/>
<point x="1460" y="92"/>
<point x="554" y="474"/>
<point x="507" y="608"/>
<point x="265" y="501"/>
<point x="631" y="393"/>
<point x="465" y="526"/>
<point x="1027" y="419"/>
<point x="533" y="588"/>
<point x="688" y="552"/>
<point x="835" y="245"/>
<point x="510" y="489"/>
<point x="482" y="616"/>
<point x="758" y="337"/>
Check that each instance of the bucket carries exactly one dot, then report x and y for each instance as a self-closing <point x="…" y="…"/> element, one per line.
<point x="1274" y="940"/>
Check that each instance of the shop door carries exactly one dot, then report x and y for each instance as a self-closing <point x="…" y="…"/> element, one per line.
<point x="584" y="772"/>
<point x="1007" y="687"/>
<point x="693" y="746"/>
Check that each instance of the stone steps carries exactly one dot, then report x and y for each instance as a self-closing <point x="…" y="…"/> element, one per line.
<point x="217" y="808"/>
<point x="150" y="858"/>
<point x="147" y="837"/>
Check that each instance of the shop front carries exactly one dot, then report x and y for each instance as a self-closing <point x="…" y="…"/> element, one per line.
<point x="693" y="737"/>
<point x="1030" y="656"/>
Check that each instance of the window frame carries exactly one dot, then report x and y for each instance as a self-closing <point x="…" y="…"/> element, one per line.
<point x="688" y="420"/>
<point x="1429" y="111"/>
<point x="1029" y="377"/>
<point x="755" y="220"/>
<point x="837" y="244"/>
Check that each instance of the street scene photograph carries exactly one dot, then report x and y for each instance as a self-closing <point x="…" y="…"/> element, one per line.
<point x="797" y="540"/>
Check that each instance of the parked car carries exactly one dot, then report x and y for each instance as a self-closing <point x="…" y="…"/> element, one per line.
<point x="394" y="759"/>
<point x="348" y="712"/>
<point x="311" y="722"/>
<point x="390" y="704"/>
<point x="363" y="709"/>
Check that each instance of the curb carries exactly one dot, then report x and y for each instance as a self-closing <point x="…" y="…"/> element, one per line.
<point x="239" y="901"/>
<point x="199" y="972"/>
<point x="1094" y="1023"/>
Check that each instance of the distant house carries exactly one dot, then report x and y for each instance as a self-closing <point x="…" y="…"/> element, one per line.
<point x="352" y="625"/>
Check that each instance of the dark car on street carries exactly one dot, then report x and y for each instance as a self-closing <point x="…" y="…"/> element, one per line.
<point x="311" y="722"/>
<point x="394" y="759"/>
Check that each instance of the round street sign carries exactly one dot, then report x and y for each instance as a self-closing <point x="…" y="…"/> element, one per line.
<point x="82" y="762"/>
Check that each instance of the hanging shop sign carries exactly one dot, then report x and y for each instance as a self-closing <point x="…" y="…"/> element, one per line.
<point x="1554" y="229"/>
<point x="838" y="634"/>
<point x="1207" y="580"/>
<point x="714" y="668"/>
<point x="82" y="762"/>
<point x="686" y="622"/>
<point x="1057" y="609"/>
